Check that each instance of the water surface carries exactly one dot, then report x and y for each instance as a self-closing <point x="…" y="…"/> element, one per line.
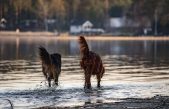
<point x="134" y="69"/>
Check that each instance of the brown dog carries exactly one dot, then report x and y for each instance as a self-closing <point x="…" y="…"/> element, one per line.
<point x="51" y="65"/>
<point x="91" y="63"/>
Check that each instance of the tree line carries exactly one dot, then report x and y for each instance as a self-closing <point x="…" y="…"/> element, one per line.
<point x="64" y="12"/>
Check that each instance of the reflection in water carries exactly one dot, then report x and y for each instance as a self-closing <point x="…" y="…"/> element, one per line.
<point x="133" y="69"/>
<point x="24" y="48"/>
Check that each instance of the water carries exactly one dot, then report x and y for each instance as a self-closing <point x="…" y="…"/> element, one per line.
<point x="134" y="69"/>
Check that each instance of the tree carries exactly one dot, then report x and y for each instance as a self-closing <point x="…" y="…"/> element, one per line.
<point x="19" y="6"/>
<point x="155" y="11"/>
<point x="49" y="9"/>
<point x="72" y="7"/>
<point x="3" y="8"/>
<point x="58" y="9"/>
<point x="43" y="11"/>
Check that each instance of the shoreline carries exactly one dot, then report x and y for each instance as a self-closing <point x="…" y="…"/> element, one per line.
<point x="156" y="102"/>
<point x="66" y="36"/>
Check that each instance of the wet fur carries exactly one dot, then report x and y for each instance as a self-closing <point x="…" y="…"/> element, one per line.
<point x="91" y="63"/>
<point x="51" y="65"/>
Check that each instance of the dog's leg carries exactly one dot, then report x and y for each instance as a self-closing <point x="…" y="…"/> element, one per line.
<point x="56" y="79"/>
<point x="87" y="79"/>
<point x="56" y="75"/>
<point x="49" y="81"/>
<point x="44" y="71"/>
<point x="98" y="80"/>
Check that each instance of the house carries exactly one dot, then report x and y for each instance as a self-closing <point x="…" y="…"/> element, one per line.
<point x="3" y="23"/>
<point x="123" y="25"/>
<point x="76" y="27"/>
<point x="84" y="28"/>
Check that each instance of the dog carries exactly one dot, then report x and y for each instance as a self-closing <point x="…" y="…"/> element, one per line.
<point x="91" y="63"/>
<point x="51" y="65"/>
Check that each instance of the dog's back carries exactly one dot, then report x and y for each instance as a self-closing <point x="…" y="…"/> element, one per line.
<point x="51" y="65"/>
<point x="94" y="62"/>
<point x="56" y="60"/>
<point x="97" y="65"/>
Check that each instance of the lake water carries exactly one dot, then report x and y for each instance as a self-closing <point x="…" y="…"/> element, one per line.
<point x="134" y="69"/>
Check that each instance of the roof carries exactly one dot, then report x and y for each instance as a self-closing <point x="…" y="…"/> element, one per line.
<point x="3" y="20"/>
<point x="84" y="23"/>
<point x="87" y="24"/>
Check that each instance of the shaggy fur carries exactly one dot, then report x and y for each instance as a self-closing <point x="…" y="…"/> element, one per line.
<point x="91" y="63"/>
<point x="51" y="65"/>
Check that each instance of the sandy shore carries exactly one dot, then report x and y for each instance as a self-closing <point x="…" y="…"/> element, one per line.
<point x="13" y="33"/>
<point x="157" y="102"/>
<point x="65" y="36"/>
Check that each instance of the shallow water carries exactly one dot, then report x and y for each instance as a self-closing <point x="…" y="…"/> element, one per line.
<point x="134" y="69"/>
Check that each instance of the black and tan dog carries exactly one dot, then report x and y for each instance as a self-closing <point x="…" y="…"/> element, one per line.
<point x="91" y="63"/>
<point x="51" y="65"/>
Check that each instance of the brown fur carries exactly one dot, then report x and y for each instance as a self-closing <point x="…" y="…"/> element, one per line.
<point x="51" y="65"/>
<point x="91" y="63"/>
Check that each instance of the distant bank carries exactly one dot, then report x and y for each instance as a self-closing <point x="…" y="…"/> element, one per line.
<point x="66" y="36"/>
<point x="18" y="33"/>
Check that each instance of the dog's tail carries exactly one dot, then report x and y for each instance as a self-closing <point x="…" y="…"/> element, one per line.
<point x="44" y="56"/>
<point x="84" y="49"/>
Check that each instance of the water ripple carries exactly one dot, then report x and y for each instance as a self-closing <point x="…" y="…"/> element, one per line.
<point x="23" y="83"/>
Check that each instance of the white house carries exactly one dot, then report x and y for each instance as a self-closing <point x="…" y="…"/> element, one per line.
<point x="118" y="22"/>
<point x="120" y="25"/>
<point x="3" y="23"/>
<point x="84" y="28"/>
<point x="77" y="27"/>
